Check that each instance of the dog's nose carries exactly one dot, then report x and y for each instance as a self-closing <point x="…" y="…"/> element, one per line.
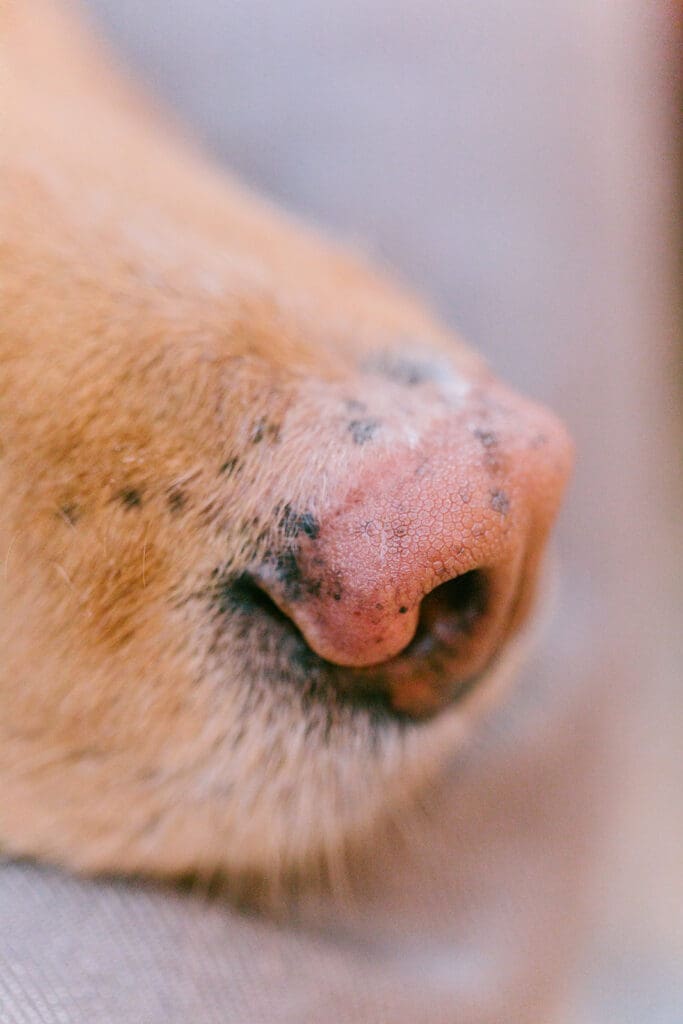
<point x="433" y="548"/>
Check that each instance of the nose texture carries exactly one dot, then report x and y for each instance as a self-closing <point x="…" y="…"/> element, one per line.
<point x="434" y="547"/>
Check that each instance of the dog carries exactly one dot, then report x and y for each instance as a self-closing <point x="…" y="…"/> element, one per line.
<point x="270" y="534"/>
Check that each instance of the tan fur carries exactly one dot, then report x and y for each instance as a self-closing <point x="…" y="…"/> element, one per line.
<point x="168" y="343"/>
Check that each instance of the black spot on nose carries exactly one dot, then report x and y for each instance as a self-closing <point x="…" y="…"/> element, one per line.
<point x="494" y="459"/>
<point x="289" y="574"/>
<point x="401" y="370"/>
<point x="500" y="502"/>
<point x="488" y="438"/>
<point x="363" y="431"/>
<point x="295" y="523"/>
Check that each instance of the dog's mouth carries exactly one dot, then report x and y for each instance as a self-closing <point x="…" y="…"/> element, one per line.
<point x="411" y="687"/>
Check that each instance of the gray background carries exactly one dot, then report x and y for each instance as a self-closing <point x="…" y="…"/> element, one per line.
<point x="514" y="162"/>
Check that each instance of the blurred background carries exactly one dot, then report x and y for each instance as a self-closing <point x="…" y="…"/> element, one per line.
<point x="515" y="162"/>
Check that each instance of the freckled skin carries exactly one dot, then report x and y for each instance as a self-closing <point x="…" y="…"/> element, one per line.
<point x="130" y="497"/>
<point x="176" y="501"/>
<point x="70" y="514"/>
<point x="392" y="537"/>
<point x="198" y="395"/>
<point x="363" y="431"/>
<point x="500" y="502"/>
<point x="232" y="465"/>
<point x="295" y="523"/>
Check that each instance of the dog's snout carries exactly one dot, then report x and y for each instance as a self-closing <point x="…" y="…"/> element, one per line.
<point x="431" y="553"/>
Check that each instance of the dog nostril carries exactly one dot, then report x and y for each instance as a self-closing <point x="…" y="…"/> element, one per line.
<point x="475" y="504"/>
<point x="453" y="609"/>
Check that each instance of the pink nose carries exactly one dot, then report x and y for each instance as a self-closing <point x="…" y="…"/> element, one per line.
<point x="435" y="545"/>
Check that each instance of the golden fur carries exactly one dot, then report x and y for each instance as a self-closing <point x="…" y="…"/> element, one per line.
<point x="169" y="344"/>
